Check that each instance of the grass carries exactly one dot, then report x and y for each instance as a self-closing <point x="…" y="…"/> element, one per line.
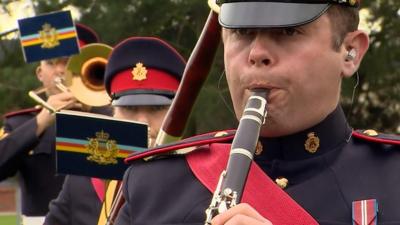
<point x="8" y="220"/>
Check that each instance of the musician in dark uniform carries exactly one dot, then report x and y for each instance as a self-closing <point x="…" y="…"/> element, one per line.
<point x="142" y="77"/>
<point x="309" y="166"/>
<point x="28" y="143"/>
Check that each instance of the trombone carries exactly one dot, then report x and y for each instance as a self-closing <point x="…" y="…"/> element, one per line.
<point x="84" y="78"/>
<point x="35" y="95"/>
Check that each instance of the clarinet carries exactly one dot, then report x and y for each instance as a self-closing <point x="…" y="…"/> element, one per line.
<point x="232" y="180"/>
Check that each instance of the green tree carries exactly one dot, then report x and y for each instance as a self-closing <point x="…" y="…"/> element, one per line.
<point x="376" y="98"/>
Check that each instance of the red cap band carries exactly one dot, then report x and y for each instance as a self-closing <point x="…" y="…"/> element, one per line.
<point x="156" y="80"/>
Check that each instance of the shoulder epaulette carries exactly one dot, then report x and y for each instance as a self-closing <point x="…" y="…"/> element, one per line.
<point x="22" y="111"/>
<point x="185" y="145"/>
<point x="374" y="136"/>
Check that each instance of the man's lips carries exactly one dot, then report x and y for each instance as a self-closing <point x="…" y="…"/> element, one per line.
<point x="271" y="89"/>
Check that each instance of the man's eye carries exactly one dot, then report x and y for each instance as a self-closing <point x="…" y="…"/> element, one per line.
<point x="50" y="62"/>
<point x="243" y="32"/>
<point x="157" y="108"/>
<point x="290" y="31"/>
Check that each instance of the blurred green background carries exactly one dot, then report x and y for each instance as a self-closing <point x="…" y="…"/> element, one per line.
<point x="376" y="98"/>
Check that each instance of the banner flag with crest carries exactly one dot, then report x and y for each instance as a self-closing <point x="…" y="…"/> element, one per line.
<point x="48" y="36"/>
<point x="95" y="145"/>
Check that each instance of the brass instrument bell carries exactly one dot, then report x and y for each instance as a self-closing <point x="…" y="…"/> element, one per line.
<point x="85" y="74"/>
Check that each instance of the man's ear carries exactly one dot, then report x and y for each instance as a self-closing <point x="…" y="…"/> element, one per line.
<point x="354" y="47"/>
<point x="223" y="35"/>
<point x="39" y="72"/>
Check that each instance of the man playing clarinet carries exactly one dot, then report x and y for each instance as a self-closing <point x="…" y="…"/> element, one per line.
<point x="309" y="166"/>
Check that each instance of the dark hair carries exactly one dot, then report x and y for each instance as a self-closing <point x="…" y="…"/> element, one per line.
<point x="343" y="20"/>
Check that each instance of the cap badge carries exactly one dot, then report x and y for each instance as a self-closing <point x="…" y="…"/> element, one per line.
<point x="102" y="150"/>
<point x="48" y="36"/>
<point x="282" y="182"/>
<point x="139" y="72"/>
<point x="312" y="143"/>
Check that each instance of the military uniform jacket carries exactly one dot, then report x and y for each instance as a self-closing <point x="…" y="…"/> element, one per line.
<point x="343" y="169"/>
<point x="21" y="151"/>
<point x="77" y="203"/>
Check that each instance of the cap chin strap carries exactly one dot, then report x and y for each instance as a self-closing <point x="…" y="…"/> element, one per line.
<point x="351" y="3"/>
<point x="169" y="94"/>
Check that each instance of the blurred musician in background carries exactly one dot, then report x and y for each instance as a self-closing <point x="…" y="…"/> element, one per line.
<point x="27" y="145"/>
<point x="142" y="77"/>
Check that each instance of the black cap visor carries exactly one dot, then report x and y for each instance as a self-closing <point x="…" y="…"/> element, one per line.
<point x="269" y="14"/>
<point x="141" y="100"/>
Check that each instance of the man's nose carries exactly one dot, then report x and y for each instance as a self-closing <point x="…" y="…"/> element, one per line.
<point x="260" y="52"/>
<point x="61" y="70"/>
<point x="142" y="117"/>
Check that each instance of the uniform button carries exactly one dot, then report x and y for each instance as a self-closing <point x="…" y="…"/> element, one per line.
<point x="282" y="182"/>
<point x="3" y="134"/>
<point x="221" y="134"/>
<point x="370" y="132"/>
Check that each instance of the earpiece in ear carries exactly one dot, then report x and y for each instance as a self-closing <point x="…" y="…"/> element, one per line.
<point x="351" y="55"/>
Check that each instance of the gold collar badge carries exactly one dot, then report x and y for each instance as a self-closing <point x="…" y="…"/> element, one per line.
<point x="139" y="72"/>
<point x="48" y="36"/>
<point x="102" y="150"/>
<point x="312" y="143"/>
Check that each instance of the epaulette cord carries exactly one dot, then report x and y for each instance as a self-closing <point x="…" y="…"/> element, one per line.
<point x="184" y="146"/>
<point x="22" y="111"/>
<point x="374" y="136"/>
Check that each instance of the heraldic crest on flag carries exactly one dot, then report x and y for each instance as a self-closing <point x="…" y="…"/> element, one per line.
<point x="98" y="146"/>
<point x="49" y="36"/>
<point x="102" y="150"/>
